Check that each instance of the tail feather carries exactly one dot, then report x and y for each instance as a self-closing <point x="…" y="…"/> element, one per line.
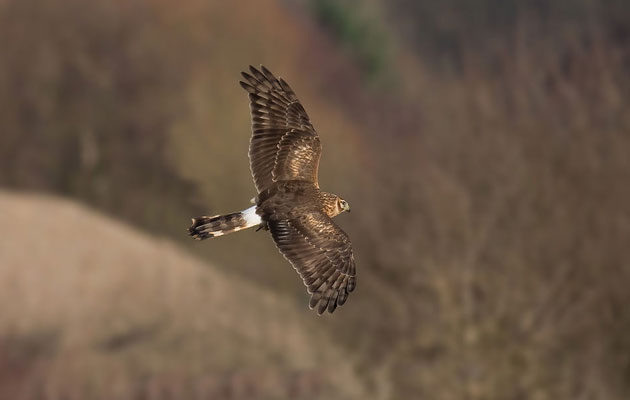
<point x="208" y="227"/>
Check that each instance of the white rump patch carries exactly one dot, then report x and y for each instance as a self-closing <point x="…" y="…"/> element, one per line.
<point x="251" y="217"/>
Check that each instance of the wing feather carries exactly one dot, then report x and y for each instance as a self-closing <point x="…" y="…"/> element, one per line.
<point x="284" y="144"/>
<point x="321" y="253"/>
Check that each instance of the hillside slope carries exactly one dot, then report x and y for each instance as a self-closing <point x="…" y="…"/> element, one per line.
<point x="91" y="308"/>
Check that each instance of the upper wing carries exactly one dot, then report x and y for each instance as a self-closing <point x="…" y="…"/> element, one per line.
<point x="284" y="145"/>
<point x="321" y="253"/>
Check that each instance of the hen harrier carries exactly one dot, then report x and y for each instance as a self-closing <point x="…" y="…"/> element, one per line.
<point x="284" y="154"/>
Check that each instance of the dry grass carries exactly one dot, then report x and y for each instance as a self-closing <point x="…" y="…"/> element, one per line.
<point x="91" y="308"/>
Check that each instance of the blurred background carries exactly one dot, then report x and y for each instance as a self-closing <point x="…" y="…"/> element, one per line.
<point x="484" y="148"/>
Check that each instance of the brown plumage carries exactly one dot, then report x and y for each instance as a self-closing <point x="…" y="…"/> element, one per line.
<point x="284" y="155"/>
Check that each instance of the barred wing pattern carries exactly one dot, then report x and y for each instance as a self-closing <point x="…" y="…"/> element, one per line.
<point x="321" y="253"/>
<point x="284" y="144"/>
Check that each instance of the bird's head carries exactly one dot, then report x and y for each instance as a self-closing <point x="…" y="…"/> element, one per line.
<point x="333" y="205"/>
<point x="342" y="205"/>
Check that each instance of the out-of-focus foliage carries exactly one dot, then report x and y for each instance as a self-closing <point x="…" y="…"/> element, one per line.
<point x="502" y="218"/>
<point x="445" y="31"/>
<point x="365" y="41"/>
<point x="489" y="185"/>
<point x="88" y="95"/>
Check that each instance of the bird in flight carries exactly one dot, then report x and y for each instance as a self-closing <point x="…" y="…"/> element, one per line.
<point x="284" y="153"/>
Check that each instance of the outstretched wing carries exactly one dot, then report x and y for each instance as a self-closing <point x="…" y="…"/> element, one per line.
<point x="284" y="145"/>
<point x="321" y="253"/>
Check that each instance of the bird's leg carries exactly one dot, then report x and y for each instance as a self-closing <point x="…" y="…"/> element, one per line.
<point x="263" y="226"/>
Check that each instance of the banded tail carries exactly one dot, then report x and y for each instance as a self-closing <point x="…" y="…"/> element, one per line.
<point x="208" y="227"/>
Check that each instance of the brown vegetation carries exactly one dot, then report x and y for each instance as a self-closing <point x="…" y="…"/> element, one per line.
<point x="484" y="151"/>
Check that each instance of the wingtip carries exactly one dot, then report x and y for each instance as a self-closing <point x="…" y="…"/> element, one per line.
<point x="318" y="310"/>
<point x="266" y="71"/>
<point x="352" y="284"/>
<point x="248" y="88"/>
<point x="320" y="306"/>
<point x="323" y="306"/>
